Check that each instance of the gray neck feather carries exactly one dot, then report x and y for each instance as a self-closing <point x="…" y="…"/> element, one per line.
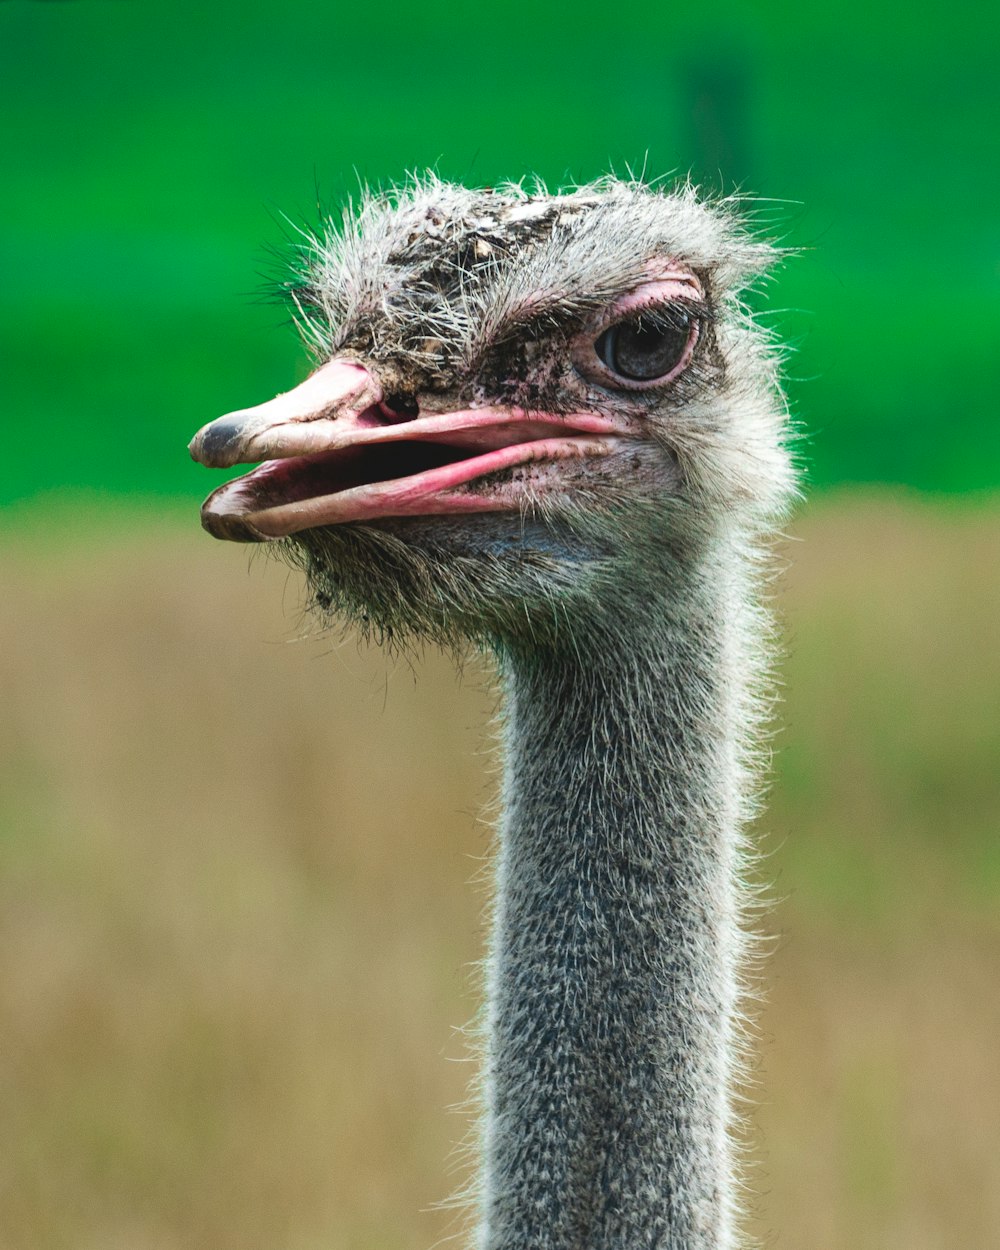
<point x="612" y="975"/>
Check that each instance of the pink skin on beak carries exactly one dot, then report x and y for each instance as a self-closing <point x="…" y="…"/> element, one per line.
<point x="327" y="461"/>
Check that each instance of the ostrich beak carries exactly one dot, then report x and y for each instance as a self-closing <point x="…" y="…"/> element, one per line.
<point x="294" y="423"/>
<point x="334" y="452"/>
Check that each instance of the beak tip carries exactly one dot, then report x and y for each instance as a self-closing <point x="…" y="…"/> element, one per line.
<point x="231" y="527"/>
<point x="218" y="445"/>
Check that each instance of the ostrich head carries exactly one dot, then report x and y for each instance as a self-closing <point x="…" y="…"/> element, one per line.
<point x="524" y="403"/>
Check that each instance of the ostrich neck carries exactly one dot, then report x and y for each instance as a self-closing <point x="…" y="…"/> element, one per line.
<point x="611" y="979"/>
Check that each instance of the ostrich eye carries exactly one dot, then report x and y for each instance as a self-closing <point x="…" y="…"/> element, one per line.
<point x="644" y="349"/>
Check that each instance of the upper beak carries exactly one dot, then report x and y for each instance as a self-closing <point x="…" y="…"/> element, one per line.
<point x="293" y="424"/>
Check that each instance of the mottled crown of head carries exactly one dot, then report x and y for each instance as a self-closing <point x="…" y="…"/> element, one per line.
<point x="435" y="264"/>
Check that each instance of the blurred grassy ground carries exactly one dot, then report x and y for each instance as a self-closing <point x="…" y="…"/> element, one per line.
<point x="236" y="930"/>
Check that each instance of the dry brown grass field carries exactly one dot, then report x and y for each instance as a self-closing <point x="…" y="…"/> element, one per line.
<point x="238" y="936"/>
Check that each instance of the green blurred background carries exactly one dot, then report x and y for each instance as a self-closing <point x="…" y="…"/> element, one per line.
<point x="235" y="924"/>
<point x="149" y="150"/>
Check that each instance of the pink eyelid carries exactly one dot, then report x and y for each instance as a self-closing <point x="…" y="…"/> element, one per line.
<point x="684" y="286"/>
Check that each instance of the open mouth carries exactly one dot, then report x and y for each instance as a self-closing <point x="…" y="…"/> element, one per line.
<point x="338" y="454"/>
<point x="402" y="477"/>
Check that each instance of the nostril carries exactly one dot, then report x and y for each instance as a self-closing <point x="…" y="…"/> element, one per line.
<point x="398" y="406"/>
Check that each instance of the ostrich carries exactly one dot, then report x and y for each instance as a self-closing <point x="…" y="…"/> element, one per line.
<point x="545" y="424"/>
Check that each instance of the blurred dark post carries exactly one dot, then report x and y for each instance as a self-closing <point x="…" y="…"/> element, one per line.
<point x="715" y="105"/>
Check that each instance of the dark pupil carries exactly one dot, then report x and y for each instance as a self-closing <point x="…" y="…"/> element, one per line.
<point x="641" y="350"/>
